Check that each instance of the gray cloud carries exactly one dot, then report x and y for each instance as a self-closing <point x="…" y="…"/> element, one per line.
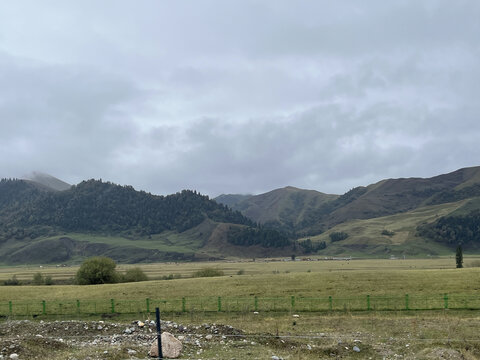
<point x="239" y="96"/>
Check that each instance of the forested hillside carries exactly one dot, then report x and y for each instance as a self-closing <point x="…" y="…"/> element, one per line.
<point x="105" y="207"/>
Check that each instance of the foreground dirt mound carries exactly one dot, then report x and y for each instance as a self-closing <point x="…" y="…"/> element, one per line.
<point x="98" y="339"/>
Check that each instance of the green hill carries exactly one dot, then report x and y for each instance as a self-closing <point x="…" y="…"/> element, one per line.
<point x="285" y="209"/>
<point x="308" y="212"/>
<point x="96" y="217"/>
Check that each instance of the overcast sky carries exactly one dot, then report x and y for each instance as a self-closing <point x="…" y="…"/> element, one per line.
<point x="239" y="96"/>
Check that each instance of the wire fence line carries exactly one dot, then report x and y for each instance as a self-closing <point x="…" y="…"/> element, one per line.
<point x="239" y="304"/>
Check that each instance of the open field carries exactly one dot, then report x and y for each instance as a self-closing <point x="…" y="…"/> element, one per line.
<point x="259" y="267"/>
<point x="451" y="334"/>
<point x="299" y="278"/>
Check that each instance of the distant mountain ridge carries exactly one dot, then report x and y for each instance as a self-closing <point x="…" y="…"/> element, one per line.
<point x="231" y="200"/>
<point x="311" y="212"/>
<point x="39" y="223"/>
<point x="283" y="208"/>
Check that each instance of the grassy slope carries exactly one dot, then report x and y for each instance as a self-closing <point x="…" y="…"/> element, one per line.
<point x="365" y="235"/>
<point x="288" y="204"/>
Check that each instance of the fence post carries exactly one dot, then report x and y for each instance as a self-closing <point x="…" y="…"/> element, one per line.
<point x="159" y="333"/>
<point x="10" y="307"/>
<point x="407" y="307"/>
<point x="292" y="300"/>
<point x="255" y="302"/>
<point x="78" y="306"/>
<point x="445" y="301"/>
<point x="219" y="303"/>
<point x="368" y="302"/>
<point x="183" y="304"/>
<point x="44" y="307"/>
<point x="148" y="305"/>
<point x="330" y="303"/>
<point x="112" y="302"/>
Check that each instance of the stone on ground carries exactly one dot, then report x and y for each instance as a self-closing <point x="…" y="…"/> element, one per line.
<point x="171" y="347"/>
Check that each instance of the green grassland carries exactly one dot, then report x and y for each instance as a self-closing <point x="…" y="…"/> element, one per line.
<point x="247" y="267"/>
<point x="307" y="279"/>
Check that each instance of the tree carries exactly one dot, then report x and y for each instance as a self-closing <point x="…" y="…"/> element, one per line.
<point x="97" y="270"/>
<point x="134" y="274"/>
<point x="38" y="279"/>
<point x="459" y="257"/>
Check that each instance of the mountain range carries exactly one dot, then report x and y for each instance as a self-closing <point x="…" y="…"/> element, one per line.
<point x="45" y="220"/>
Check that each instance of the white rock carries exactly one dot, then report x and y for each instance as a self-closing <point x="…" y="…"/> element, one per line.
<point x="171" y="347"/>
<point x="356" y="349"/>
<point x="13" y="356"/>
<point x="141" y="324"/>
<point x="209" y="337"/>
<point x="296" y="316"/>
<point x="255" y="312"/>
<point x="131" y="352"/>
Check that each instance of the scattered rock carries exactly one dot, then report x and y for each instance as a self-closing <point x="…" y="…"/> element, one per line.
<point x="13" y="356"/>
<point x="356" y="349"/>
<point x="140" y="324"/>
<point x="209" y="337"/>
<point x="171" y="347"/>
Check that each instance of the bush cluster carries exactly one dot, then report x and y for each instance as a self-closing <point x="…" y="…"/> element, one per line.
<point x="101" y="270"/>
<point x="39" y="279"/>
<point x="208" y="272"/>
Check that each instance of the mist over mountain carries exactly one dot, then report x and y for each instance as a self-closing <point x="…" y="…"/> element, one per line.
<point x="47" y="180"/>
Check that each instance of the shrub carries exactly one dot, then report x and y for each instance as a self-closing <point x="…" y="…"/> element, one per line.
<point x="474" y="263"/>
<point x="12" y="281"/>
<point x="208" y="272"/>
<point x="38" y="279"/>
<point x="240" y="272"/>
<point x="48" y="280"/>
<point x="388" y="232"/>
<point x="337" y="236"/>
<point x="134" y="274"/>
<point x="97" y="270"/>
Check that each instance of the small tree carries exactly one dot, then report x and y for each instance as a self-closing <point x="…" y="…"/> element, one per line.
<point x="459" y="257"/>
<point x="97" y="270"/>
<point x="38" y="279"/>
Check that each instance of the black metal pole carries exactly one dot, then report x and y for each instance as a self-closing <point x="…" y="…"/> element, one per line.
<point x="159" y="333"/>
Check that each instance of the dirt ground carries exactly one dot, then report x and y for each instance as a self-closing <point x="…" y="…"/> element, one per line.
<point x="106" y="339"/>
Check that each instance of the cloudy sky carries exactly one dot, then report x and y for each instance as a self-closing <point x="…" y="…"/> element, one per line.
<point x="239" y="96"/>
